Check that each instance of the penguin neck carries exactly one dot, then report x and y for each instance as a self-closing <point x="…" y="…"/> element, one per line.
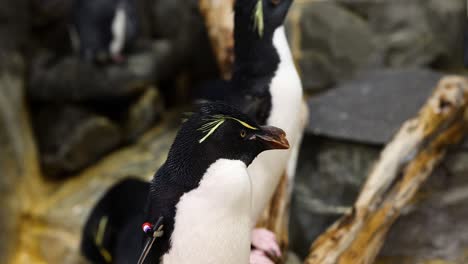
<point x="280" y="43"/>
<point x="255" y="56"/>
<point x="189" y="165"/>
<point x="285" y="87"/>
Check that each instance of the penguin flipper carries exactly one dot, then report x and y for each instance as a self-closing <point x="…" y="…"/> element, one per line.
<point x="109" y="218"/>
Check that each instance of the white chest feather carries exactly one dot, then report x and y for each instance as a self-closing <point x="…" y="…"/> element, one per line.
<point x="286" y="113"/>
<point x="212" y="222"/>
<point x="118" y="31"/>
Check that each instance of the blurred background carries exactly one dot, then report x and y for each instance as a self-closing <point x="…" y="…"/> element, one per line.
<point x="70" y="128"/>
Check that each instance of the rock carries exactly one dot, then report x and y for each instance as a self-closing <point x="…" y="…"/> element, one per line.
<point x="50" y="26"/>
<point x="18" y="161"/>
<point x="405" y="33"/>
<point x="54" y="227"/>
<point x="68" y="79"/>
<point x="184" y="30"/>
<point x="416" y="33"/>
<point x="328" y="179"/>
<point x="465" y="48"/>
<point x="447" y="21"/>
<point x="14" y="28"/>
<point x="335" y="44"/>
<point x="317" y="72"/>
<point x="71" y="138"/>
<point x="372" y="107"/>
<point x="180" y="22"/>
<point x="142" y="114"/>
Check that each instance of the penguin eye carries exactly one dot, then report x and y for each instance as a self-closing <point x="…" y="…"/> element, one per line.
<point x="243" y="133"/>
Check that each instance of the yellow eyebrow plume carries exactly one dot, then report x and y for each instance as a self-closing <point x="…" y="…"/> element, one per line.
<point x="258" y="18"/>
<point x="212" y="130"/>
<point x="243" y="123"/>
<point x="216" y="121"/>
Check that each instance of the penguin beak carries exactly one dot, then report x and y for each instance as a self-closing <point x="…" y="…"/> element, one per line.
<point x="271" y="137"/>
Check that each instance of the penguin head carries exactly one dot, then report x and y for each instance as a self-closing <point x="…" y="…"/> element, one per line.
<point x="223" y="132"/>
<point x="261" y="16"/>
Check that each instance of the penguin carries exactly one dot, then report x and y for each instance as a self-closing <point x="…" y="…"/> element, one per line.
<point x="266" y="85"/>
<point x="102" y="29"/>
<point x="119" y="205"/>
<point x="199" y="201"/>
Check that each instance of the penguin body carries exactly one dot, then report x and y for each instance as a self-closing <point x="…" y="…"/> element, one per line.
<point x="230" y="216"/>
<point x="288" y="112"/>
<point x="102" y="29"/>
<point x="202" y="192"/>
<point x="120" y="206"/>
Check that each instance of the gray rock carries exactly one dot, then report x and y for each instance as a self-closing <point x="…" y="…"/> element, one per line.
<point x="417" y="32"/>
<point x="18" y="161"/>
<point x="71" y="138"/>
<point x="328" y="179"/>
<point x="142" y="114"/>
<point x="372" y="107"/>
<point x="180" y="22"/>
<point x="336" y="43"/>
<point x="69" y="79"/>
<point x="317" y="71"/>
<point x="405" y="33"/>
<point x="447" y="21"/>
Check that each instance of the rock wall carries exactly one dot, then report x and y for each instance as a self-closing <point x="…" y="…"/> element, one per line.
<point x="19" y="181"/>
<point x="334" y="40"/>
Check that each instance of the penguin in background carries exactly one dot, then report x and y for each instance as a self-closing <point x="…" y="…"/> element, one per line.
<point x="119" y="205"/>
<point x="200" y="198"/>
<point x="266" y="85"/>
<point x="102" y="29"/>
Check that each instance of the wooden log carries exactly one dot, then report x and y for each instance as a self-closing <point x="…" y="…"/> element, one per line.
<point x="219" y="20"/>
<point x="405" y="163"/>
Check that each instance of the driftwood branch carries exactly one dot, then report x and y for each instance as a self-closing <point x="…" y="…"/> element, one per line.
<point x="219" y="20"/>
<point x="404" y="165"/>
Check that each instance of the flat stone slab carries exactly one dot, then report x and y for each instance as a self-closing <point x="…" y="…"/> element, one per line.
<point x="372" y="107"/>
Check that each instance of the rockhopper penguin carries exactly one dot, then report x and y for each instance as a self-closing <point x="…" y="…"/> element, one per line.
<point x="202" y="192"/>
<point x="102" y="29"/>
<point x="120" y="207"/>
<point x="265" y="85"/>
